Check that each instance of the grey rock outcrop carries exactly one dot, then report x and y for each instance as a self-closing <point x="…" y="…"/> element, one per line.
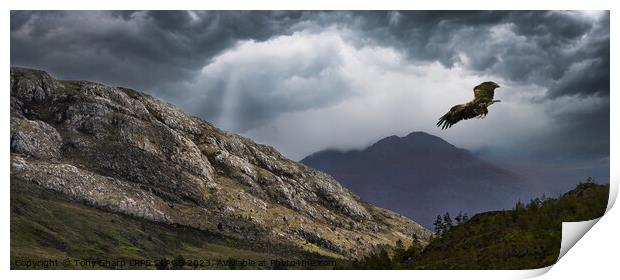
<point x="124" y="151"/>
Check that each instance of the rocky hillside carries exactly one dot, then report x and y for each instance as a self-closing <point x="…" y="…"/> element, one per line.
<point x="420" y="176"/>
<point x="125" y="152"/>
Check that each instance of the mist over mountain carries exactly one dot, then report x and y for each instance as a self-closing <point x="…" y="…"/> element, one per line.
<point x="420" y="176"/>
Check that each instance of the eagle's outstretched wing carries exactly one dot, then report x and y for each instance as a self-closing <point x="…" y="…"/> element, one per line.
<point x="456" y="114"/>
<point x="483" y="93"/>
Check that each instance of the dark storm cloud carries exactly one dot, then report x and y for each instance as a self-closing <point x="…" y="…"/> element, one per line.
<point x="139" y="49"/>
<point x="522" y="46"/>
<point x="144" y="49"/>
<point x="164" y="53"/>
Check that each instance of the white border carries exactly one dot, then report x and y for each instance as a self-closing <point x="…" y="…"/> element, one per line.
<point x="595" y="255"/>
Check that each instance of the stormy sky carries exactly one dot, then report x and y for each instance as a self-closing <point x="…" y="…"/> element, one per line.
<point x="307" y="81"/>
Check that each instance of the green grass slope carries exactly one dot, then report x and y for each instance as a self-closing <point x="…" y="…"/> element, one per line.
<point x="45" y="225"/>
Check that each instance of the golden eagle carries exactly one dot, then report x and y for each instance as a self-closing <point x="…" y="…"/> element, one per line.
<point x="483" y="98"/>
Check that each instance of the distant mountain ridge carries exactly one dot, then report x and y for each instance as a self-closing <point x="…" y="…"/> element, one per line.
<point x="419" y="175"/>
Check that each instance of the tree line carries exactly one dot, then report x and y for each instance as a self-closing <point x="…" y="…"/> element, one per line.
<point x="445" y="223"/>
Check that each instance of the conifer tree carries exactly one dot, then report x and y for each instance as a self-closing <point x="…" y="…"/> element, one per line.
<point x="447" y="221"/>
<point x="439" y="226"/>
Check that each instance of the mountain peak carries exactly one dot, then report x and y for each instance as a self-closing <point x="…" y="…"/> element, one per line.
<point x="419" y="134"/>
<point x="419" y="175"/>
<point x="415" y="141"/>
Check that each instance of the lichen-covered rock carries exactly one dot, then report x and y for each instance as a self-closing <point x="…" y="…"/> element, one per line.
<point x="34" y="138"/>
<point x="124" y="151"/>
<point x="96" y="190"/>
<point x="32" y="86"/>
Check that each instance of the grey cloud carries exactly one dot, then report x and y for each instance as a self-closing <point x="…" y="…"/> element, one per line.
<point x="169" y="46"/>
<point x="138" y="49"/>
<point x="557" y="26"/>
<point x="165" y="52"/>
<point x="545" y="43"/>
<point x="251" y="85"/>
